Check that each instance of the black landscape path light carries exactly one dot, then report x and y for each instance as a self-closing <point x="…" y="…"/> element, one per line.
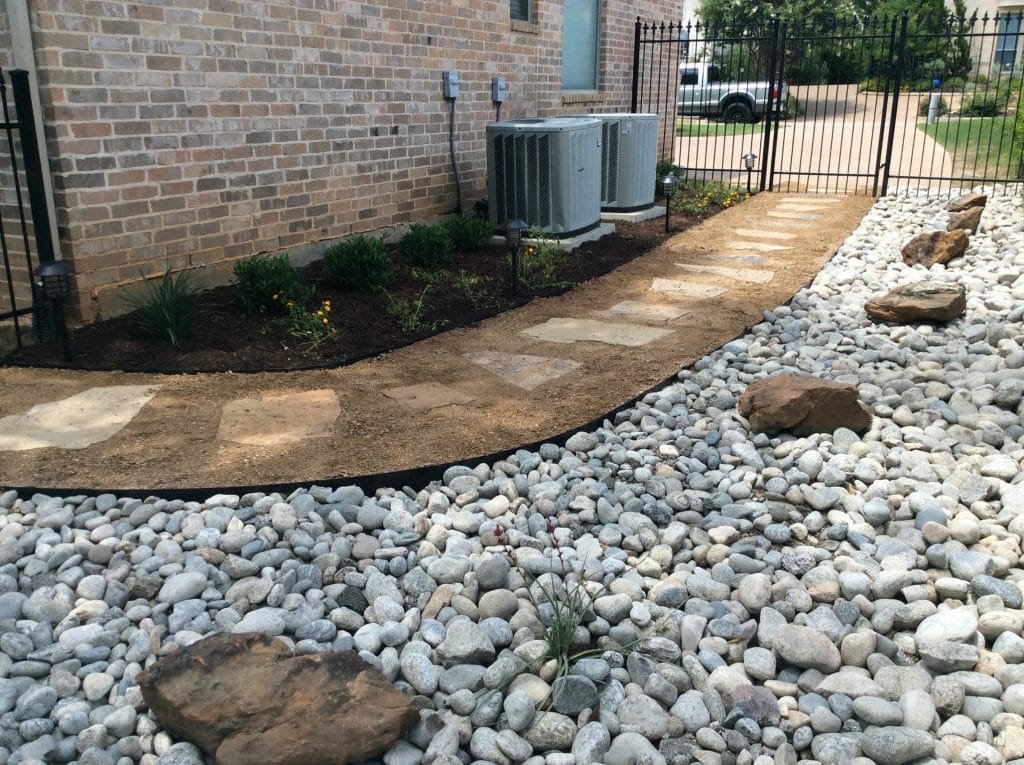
<point x="514" y="246"/>
<point x="53" y="282"/>
<point x="669" y="183"/>
<point x="749" y="160"/>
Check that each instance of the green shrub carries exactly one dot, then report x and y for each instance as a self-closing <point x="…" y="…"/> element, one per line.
<point x="264" y="281"/>
<point x="360" y="262"/>
<point x="540" y="262"/>
<point x="922" y="109"/>
<point x="468" y="233"/>
<point x="166" y="308"/>
<point x="312" y="327"/>
<point x="984" y="105"/>
<point x="426" y="246"/>
<point x="695" y="198"/>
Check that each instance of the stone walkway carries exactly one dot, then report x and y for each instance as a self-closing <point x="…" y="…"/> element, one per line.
<point x="301" y="410"/>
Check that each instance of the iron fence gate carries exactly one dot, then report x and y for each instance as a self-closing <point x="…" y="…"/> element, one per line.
<point x="25" y="235"/>
<point x="865" y="107"/>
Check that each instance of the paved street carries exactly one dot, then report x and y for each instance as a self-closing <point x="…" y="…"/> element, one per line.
<point x="841" y="133"/>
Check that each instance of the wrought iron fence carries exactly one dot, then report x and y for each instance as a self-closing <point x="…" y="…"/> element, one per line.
<point x="857" y="107"/>
<point x="25" y="235"/>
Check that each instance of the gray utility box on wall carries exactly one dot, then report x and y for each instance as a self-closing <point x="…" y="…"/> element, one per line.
<point x="546" y="172"/>
<point x="629" y="158"/>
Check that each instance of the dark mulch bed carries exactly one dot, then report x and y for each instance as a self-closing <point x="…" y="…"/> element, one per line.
<point x="225" y="338"/>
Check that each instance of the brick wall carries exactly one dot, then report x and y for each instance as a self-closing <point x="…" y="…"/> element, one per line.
<point x="193" y="132"/>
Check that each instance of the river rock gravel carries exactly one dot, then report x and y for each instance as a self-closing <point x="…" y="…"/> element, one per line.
<point x="748" y="599"/>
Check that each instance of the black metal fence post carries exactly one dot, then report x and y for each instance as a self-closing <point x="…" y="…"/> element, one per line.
<point x="636" y="66"/>
<point x="32" y="164"/>
<point x="897" y="83"/>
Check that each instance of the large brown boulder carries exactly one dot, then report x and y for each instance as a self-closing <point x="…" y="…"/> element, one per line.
<point x="935" y="247"/>
<point x="966" y="202"/>
<point x="924" y="301"/>
<point x="245" y="698"/>
<point x="969" y="219"/>
<point x="802" y="405"/>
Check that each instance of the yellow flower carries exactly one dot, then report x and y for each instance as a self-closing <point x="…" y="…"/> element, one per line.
<point x="274" y="297"/>
<point x="319" y="313"/>
<point x="290" y="304"/>
<point x="325" y="321"/>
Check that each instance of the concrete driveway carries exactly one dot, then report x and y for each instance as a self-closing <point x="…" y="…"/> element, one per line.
<point x="833" y="146"/>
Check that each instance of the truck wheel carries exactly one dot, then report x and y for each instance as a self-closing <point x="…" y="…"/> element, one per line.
<point x="737" y="111"/>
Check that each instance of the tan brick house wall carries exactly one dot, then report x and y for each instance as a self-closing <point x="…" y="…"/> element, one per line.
<point x="193" y="132"/>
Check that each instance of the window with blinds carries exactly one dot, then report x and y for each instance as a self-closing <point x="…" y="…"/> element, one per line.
<point x="580" y="44"/>
<point x="520" y="10"/>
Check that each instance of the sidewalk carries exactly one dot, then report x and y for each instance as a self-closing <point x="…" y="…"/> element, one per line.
<point x="521" y="377"/>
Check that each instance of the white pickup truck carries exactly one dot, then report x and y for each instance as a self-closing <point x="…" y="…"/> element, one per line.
<point x="702" y="93"/>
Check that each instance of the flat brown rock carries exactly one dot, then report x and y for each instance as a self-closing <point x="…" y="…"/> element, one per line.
<point x="966" y="202"/>
<point x="244" y="698"/>
<point x="924" y="301"/>
<point x="933" y="247"/>
<point x="802" y="405"/>
<point x="969" y="219"/>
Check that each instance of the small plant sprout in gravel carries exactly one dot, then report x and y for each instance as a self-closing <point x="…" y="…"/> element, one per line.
<point x="751" y="599"/>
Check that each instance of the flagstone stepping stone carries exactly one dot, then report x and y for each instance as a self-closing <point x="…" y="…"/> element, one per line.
<point x="75" y="422"/>
<point x="431" y="395"/>
<point x="800" y="208"/>
<point x="749" y="275"/>
<point x="786" y="224"/>
<point x="566" y="330"/>
<point x="638" y="309"/>
<point x="523" y="371"/>
<point x="731" y="258"/>
<point x="793" y="215"/>
<point x="279" y="419"/>
<point x="815" y="200"/>
<point x="758" y="234"/>
<point x="686" y="288"/>
<point x="758" y="246"/>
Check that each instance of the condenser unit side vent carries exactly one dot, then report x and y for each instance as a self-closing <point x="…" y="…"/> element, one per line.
<point x="609" y="162"/>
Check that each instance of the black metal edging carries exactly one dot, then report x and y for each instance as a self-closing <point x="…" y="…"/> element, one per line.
<point x="419" y="476"/>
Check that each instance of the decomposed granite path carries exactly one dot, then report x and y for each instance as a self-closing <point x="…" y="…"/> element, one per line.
<point x="523" y="376"/>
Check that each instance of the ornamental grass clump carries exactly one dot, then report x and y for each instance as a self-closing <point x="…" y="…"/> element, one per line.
<point x="257" y="279"/>
<point x="166" y="308"/>
<point x="360" y="262"/>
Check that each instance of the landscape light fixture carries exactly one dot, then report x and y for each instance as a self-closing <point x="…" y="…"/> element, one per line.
<point x="749" y="160"/>
<point x="53" y="280"/>
<point x="669" y="183"/>
<point x="514" y="246"/>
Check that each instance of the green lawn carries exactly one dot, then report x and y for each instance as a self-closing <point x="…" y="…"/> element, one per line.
<point x="698" y="129"/>
<point x="982" y="146"/>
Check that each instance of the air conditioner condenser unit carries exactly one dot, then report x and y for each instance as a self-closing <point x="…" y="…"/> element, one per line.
<point x="629" y="157"/>
<point x="546" y="172"/>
